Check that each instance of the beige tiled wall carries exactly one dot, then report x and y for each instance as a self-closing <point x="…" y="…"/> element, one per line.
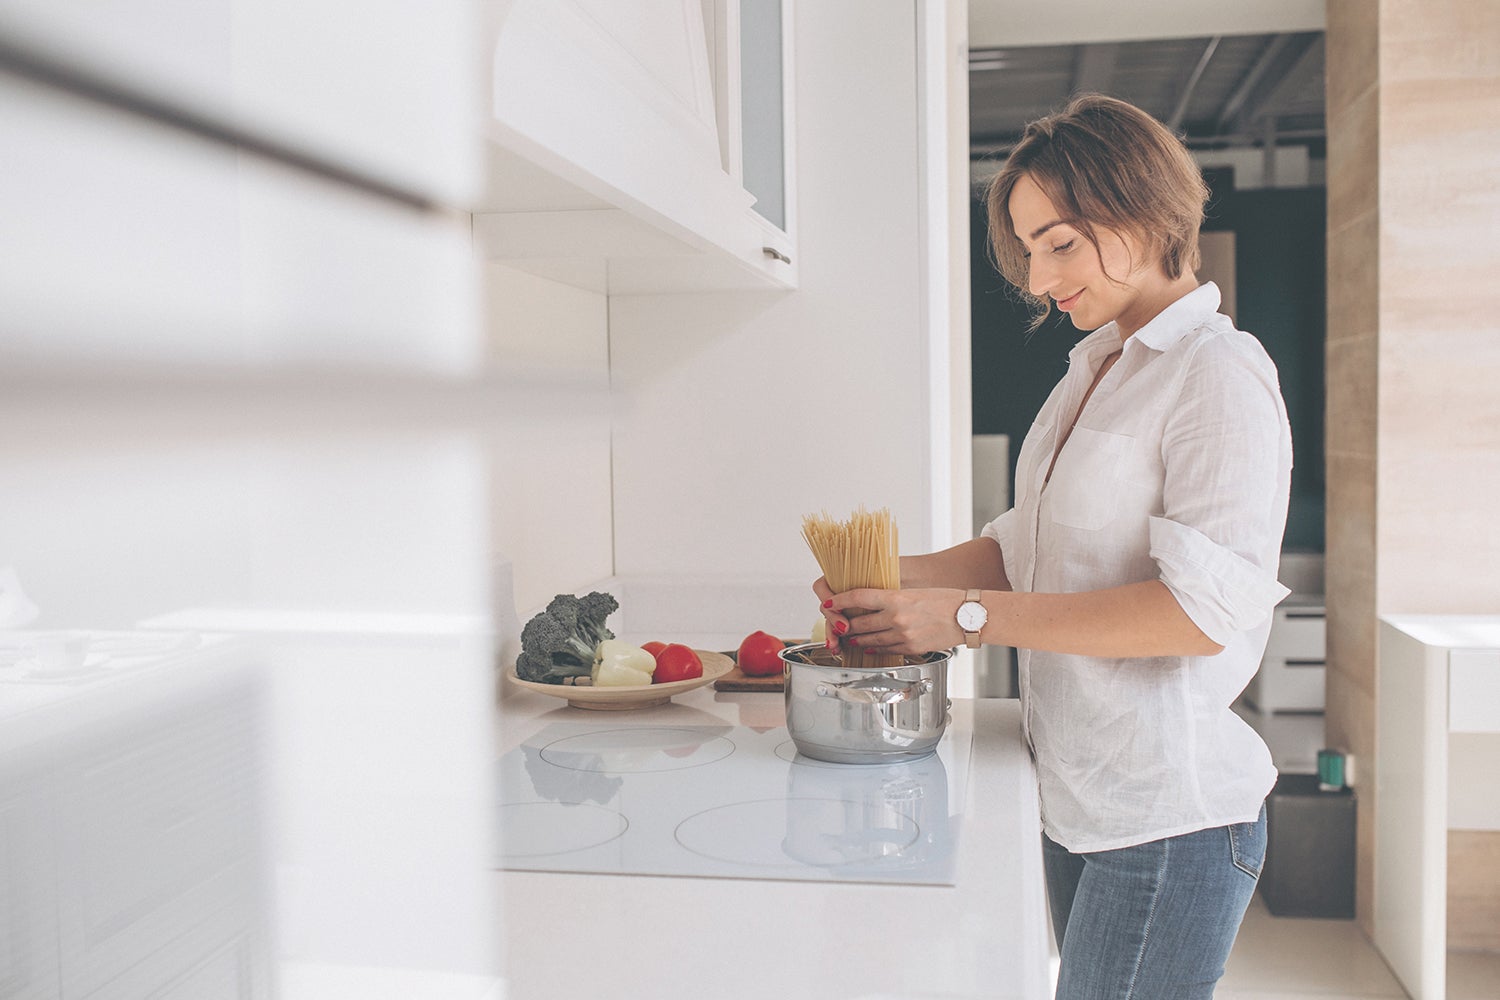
<point x="1439" y="306"/>
<point x="1354" y="268"/>
<point x="1413" y="340"/>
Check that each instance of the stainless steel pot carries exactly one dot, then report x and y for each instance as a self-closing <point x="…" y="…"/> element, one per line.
<point x="864" y="715"/>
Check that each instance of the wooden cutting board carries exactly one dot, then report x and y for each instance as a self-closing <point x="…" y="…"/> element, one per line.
<point x="738" y="680"/>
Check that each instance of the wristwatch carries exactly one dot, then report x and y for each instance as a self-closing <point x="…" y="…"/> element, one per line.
<point x="971" y="618"/>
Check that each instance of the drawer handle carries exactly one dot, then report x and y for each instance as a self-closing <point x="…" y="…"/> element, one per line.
<point x="773" y="252"/>
<point x="1305" y="663"/>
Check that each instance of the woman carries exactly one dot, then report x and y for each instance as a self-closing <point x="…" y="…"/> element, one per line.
<point x="1136" y="574"/>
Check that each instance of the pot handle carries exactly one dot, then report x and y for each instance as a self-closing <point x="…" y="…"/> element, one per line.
<point x="882" y="689"/>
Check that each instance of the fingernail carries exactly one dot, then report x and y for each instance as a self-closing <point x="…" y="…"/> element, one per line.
<point x="831" y="644"/>
<point x="852" y="641"/>
<point x="828" y="603"/>
<point x="841" y="627"/>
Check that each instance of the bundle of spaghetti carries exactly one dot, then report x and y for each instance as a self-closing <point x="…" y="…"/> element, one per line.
<point x="859" y="552"/>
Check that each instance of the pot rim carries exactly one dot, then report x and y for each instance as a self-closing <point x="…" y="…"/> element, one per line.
<point x="797" y="656"/>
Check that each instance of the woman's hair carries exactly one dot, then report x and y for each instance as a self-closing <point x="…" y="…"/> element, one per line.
<point x="1104" y="164"/>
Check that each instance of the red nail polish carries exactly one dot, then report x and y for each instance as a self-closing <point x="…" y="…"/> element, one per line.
<point x="852" y="641"/>
<point x="841" y="627"/>
<point x="828" y="603"/>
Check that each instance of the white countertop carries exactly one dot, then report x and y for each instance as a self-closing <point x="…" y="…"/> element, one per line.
<point x="568" y="935"/>
<point x="1450" y="631"/>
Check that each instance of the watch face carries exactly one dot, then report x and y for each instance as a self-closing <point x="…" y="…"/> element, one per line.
<point x="971" y="616"/>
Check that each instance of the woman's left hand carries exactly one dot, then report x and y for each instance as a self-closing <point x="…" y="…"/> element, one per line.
<point x="900" y="621"/>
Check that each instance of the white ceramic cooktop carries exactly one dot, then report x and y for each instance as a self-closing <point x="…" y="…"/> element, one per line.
<point x="726" y="802"/>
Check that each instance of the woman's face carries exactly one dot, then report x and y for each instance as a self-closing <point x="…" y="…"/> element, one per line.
<point x="1065" y="266"/>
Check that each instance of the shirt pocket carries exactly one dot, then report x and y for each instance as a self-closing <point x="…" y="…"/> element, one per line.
<point x="1087" y="480"/>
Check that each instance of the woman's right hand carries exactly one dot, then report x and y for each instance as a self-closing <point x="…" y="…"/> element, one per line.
<point x="838" y="625"/>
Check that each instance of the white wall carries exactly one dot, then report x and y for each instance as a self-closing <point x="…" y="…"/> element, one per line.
<point x="738" y="413"/>
<point x="549" y="439"/>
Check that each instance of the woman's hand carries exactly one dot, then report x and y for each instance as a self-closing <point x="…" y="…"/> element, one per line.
<point x="894" y="621"/>
<point x="838" y="624"/>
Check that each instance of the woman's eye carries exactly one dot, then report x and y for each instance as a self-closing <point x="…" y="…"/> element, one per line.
<point x="1065" y="247"/>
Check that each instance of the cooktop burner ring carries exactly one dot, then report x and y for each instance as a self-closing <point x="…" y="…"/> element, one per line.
<point x="796" y="831"/>
<point x="638" y="750"/>
<point x="541" y="829"/>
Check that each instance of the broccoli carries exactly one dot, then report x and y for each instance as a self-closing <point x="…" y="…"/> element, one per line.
<point x="559" y="643"/>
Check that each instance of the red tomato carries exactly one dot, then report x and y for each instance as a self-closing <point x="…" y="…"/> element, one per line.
<point x="760" y="654"/>
<point x="654" y="648"/>
<point x="676" y="663"/>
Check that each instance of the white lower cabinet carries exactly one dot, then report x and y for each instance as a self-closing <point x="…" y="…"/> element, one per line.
<point x="28" y="888"/>
<point x="1292" y="673"/>
<point x="1437" y="747"/>
<point x="130" y="864"/>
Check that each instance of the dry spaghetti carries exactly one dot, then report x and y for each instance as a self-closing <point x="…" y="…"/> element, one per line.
<point x="859" y="552"/>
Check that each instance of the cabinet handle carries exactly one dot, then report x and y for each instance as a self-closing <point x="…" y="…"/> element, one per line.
<point x="773" y="252"/>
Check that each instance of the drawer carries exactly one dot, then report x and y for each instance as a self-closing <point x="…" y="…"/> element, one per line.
<point x="157" y="843"/>
<point x="1297" y="634"/>
<point x="1474" y="691"/>
<point x="1288" y="686"/>
<point x="28" y="892"/>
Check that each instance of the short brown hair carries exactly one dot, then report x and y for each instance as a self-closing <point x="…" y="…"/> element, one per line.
<point x="1103" y="163"/>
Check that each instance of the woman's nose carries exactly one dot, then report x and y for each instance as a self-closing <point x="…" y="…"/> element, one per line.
<point x="1039" y="276"/>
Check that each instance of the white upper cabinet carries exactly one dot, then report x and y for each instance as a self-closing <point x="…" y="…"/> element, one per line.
<point x="373" y="88"/>
<point x="132" y="245"/>
<point x="629" y="151"/>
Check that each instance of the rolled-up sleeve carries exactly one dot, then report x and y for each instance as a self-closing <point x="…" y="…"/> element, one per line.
<point x="1222" y="592"/>
<point x="1226" y="450"/>
<point x="1003" y="530"/>
<point x="1000" y="528"/>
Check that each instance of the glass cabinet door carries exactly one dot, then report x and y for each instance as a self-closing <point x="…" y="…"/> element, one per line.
<point x="762" y="107"/>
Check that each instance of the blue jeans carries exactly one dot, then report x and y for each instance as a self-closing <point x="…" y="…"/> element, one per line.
<point x="1154" y="921"/>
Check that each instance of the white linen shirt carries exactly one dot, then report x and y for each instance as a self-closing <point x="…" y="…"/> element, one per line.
<point x="1178" y="469"/>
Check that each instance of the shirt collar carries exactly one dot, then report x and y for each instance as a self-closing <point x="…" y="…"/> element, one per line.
<point x="1180" y="318"/>
<point x="1165" y="329"/>
<point x="1104" y="340"/>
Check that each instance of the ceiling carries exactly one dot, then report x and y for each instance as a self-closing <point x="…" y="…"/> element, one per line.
<point x="1219" y="91"/>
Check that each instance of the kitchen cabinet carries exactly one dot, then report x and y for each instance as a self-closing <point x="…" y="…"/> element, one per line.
<point x="984" y="936"/>
<point x="131" y="847"/>
<point x="241" y="362"/>
<point x="131" y="245"/>
<point x="1292" y="670"/>
<point x="616" y="161"/>
<point x="1439" y="691"/>
<point x="374" y="89"/>
<point x="29" y="949"/>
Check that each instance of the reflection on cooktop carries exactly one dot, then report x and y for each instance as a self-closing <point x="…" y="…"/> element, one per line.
<point x="726" y="802"/>
<point x="780" y="833"/>
<point x="636" y="751"/>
